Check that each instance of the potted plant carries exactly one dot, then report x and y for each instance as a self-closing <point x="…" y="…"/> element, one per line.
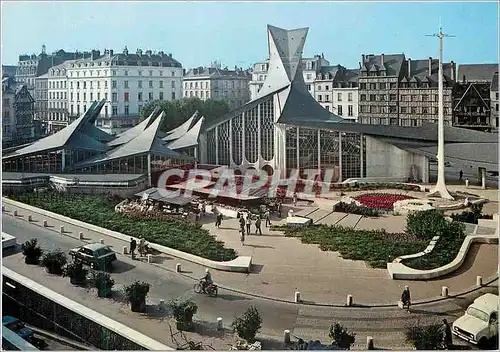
<point x="247" y="325"/>
<point x="54" y="261"/>
<point x="183" y="312"/>
<point x="136" y="294"/>
<point x="77" y="273"/>
<point x="31" y="251"/>
<point x="103" y="282"/>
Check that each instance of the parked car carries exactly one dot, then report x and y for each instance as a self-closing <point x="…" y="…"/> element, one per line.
<point x="96" y="255"/>
<point x="15" y="325"/>
<point x="479" y="324"/>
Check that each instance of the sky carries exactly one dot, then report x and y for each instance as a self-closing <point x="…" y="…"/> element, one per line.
<point x="197" y="33"/>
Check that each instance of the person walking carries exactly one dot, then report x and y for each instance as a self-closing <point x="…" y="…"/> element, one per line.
<point x="461" y="175"/>
<point x="141" y="246"/>
<point x="242" y="236"/>
<point x="446" y="335"/>
<point x="268" y="217"/>
<point x="257" y="225"/>
<point x="219" y="220"/>
<point x="294" y="199"/>
<point x="242" y="222"/>
<point x="133" y="246"/>
<point x="406" y="299"/>
<point x="249" y="223"/>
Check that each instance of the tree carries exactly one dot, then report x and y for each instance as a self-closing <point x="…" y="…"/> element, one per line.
<point x="249" y="324"/>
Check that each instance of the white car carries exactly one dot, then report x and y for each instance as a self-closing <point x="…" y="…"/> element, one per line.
<point x="479" y="324"/>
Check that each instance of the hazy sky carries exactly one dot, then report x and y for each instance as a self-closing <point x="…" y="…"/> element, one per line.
<point x="197" y="33"/>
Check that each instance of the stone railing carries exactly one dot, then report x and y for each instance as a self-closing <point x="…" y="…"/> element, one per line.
<point x="240" y="264"/>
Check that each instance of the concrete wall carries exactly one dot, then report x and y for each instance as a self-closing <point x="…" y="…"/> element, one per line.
<point x="388" y="161"/>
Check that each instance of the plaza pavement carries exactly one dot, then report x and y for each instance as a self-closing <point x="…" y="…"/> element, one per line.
<point x="283" y="265"/>
<point x="385" y="324"/>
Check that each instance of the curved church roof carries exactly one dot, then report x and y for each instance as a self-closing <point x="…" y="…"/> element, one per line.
<point x="133" y="132"/>
<point x="81" y="135"/>
<point x="182" y="129"/>
<point x="188" y="139"/>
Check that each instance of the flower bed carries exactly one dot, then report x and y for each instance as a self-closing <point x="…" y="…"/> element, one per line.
<point x="99" y="210"/>
<point x="376" y="247"/>
<point x="380" y="201"/>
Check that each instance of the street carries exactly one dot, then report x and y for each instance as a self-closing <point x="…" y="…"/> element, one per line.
<point x="387" y="325"/>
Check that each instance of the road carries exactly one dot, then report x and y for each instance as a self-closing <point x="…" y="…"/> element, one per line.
<point x="386" y="325"/>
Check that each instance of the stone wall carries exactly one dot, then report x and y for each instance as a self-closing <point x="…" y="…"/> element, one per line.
<point x="385" y="160"/>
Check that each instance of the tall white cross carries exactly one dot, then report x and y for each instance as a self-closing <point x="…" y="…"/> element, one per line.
<point x="440" y="188"/>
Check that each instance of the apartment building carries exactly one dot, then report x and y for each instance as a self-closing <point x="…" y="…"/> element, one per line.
<point x="473" y="105"/>
<point x="310" y="69"/>
<point x="42" y="98"/>
<point x="58" y="116"/>
<point x="398" y="91"/>
<point x="231" y="86"/>
<point x="127" y="81"/>
<point x="336" y="89"/>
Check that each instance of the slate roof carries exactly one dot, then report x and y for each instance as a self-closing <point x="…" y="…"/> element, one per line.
<point x="477" y="72"/>
<point x="214" y="72"/>
<point x="133" y="132"/>
<point x="420" y="70"/>
<point x="8" y="70"/>
<point x="77" y="135"/>
<point x="393" y="63"/>
<point x="190" y="138"/>
<point x="182" y="129"/>
<point x="131" y="59"/>
<point x="494" y="83"/>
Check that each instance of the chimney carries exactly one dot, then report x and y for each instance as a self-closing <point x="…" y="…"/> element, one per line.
<point x="95" y="54"/>
<point x="382" y="60"/>
<point x="183" y="71"/>
<point x="452" y="69"/>
<point x="360" y="65"/>
<point x="125" y="50"/>
<point x="139" y="52"/>
<point x="169" y="54"/>
<point x="161" y="53"/>
<point x="363" y="58"/>
<point x="110" y="52"/>
<point x="430" y="66"/>
<point x="409" y="67"/>
<point x="149" y="53"/>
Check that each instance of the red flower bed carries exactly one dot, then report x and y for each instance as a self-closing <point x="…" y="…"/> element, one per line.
<point x="381" y="201"/>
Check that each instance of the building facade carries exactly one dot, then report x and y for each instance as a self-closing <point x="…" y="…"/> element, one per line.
<point x="18" y="112"/>
<point x="494" y="101"/>
<point x="310" y="69"/>
<point x="231" y="86"/>
<point x="42" y="98"/>
<point x="336" y="89"/>
<point x="397" y="91"/>
<point x="58" y="115"/>
<point x="126" y="81"/>
<point x="473" y="105"/>
<point x="115" y="125"/>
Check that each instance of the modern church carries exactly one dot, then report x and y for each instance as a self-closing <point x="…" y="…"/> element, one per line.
<point x="283" y="129"/>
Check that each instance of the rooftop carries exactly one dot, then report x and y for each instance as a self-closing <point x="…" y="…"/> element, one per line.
<point x="477" y="72"/>
<point x="214" y="72"/>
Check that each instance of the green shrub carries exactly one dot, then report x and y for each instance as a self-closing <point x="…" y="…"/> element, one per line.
<point x="426" y="224"/>
<point x="183" y="311"/>
<point x="424" y="337"/>
<point x="76" y="272"/>
<point x="472" y="216"/>
<point x="99" y="210"/>
<point x="103" y="282"/>
<point x="248" y="325"/>
<point x="341" y="337"/>
<point x="31" y="251"/>
<point x="54" y="261"/>
<point x="136" y="294"/>
<point x="353" y="208"/>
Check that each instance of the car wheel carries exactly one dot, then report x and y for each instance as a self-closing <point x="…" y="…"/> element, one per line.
<point x="482" y="343"/>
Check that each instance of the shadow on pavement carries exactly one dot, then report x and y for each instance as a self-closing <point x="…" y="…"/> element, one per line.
<point x="468" y="263"/>
<point x="256" y="268"/>
<point x="230" y="297"/>
<point x="120" y="267"/>
<point x="259" y="246"/>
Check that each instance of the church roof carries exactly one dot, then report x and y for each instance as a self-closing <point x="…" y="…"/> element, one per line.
<point x="133" y="132"/>
<point x="190" y="138"/>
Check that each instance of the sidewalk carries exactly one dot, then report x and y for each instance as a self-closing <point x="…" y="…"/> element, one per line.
<point x="284" y="265"/>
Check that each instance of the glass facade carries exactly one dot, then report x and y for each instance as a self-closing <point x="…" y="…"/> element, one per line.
<point x="224" y="143"/>
<point x="252" y="135"/>
<point x="267" y="129"/>
<point x="351" y="155"/>
<point x="329" y="151"/>
<point x="237" y="141"/>
<point x="291" y="148"/>
<point x="211" y="147"/>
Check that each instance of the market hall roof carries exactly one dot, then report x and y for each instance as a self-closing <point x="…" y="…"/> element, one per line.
<point x="188" y="139"/>
<point x="81" y="135"/>
<point x="133" y="132"/>
<point x="182" y="129"/>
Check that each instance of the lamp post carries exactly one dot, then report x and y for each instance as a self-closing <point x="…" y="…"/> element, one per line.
<point x="440" y="188"/>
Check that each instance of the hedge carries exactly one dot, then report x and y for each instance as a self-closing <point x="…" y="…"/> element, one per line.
<point x="99" y="210"/>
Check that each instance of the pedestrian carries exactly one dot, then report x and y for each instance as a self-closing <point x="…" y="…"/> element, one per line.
<point x="242" y="236"/>
<point x="257" y="226"/>
<point x="133" y="246"/>
<point x="406" y="299"/>
<point x="466" y="183"/>
<point x="268" y="218"/>
<point x="446" y="335"/>
<point x="279" y="209"/>
<point x="141" y="246"/>
<point x="242" y="222"/>
<point x="219" y="220"/>
<point x="461" y="174"/>
<point x="294" y="199"/>
<point x="249" y="223"/>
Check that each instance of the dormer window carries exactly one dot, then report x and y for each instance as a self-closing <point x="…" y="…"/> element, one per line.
<point x="150" y="63"/>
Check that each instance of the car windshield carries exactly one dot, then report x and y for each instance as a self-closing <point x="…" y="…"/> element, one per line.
<point x="478" y="314"/>
<point x="103" y="251"/>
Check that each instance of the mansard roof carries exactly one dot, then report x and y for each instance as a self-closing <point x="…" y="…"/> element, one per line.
<point x="477" y="72"/>
<point x="392" y="62"/>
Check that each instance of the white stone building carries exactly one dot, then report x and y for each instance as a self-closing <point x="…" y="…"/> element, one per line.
<point x="336" y="89"/>
<point x="58" y="116"/>
<point x="231" y="86"/>
<point x="127" y="81"/>
<point x="310" y="69"/>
